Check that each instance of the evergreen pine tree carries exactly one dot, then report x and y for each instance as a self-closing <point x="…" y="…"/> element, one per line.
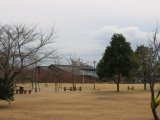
<point x="6" y="90"/>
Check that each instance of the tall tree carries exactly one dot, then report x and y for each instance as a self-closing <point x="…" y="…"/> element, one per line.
<point x="116" y="60"/>
<point x="153" y="68"/>
<point x="142" y="54"/>
<point x="21" y="46"/>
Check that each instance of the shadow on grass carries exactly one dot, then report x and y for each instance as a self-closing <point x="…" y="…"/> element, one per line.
<point x="121" y="92"/>
<point x="122" y="95"/>
<point x="4" y="105"/>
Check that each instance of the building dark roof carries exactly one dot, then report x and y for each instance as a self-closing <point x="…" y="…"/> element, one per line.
<point x="79" y="70"/>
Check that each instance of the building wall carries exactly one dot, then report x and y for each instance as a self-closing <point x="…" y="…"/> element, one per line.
<point x="53" y="74"/>
<point x="69" y="77"/>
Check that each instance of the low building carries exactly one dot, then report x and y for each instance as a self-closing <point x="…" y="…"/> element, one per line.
<point x="63" y="73"/>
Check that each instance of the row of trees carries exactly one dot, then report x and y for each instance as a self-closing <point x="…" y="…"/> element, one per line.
<point x="119" y="60"/>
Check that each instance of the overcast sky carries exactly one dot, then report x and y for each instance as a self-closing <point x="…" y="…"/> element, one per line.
<point x="84" y="27"/>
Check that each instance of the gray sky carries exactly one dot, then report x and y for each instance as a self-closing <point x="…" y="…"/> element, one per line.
<point x="84" y="27"/>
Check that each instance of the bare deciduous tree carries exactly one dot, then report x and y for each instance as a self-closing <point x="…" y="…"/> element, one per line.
<point x="22" y="46"/>
<point x="73" y="69"/>
<point x="153" y="72"/>
<point x="74" y="63"/>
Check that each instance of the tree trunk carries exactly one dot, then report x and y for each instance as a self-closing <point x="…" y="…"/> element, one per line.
<point x="145" y="86"/>
<point x="153" y="102"/>
<point x="145" y="81"/>
<point x="119" y="76"/>
<point x="117" y="86"/>
<point x="154" y="112"/>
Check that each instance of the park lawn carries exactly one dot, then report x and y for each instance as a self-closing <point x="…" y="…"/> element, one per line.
<point x="102" y="104"/>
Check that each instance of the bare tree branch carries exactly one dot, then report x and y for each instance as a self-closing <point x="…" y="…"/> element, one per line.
<point x="20" y="45"/>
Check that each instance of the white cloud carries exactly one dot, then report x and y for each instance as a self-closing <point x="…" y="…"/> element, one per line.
<point x="80" y="24"/>
<point x="132" y="34"/>
<point x="90" y="45"/>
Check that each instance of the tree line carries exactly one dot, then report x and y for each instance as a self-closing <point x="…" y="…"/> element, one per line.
<point x="119" y="60"/>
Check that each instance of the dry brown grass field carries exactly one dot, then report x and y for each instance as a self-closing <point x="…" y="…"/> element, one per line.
<point x="102" y="104"/>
